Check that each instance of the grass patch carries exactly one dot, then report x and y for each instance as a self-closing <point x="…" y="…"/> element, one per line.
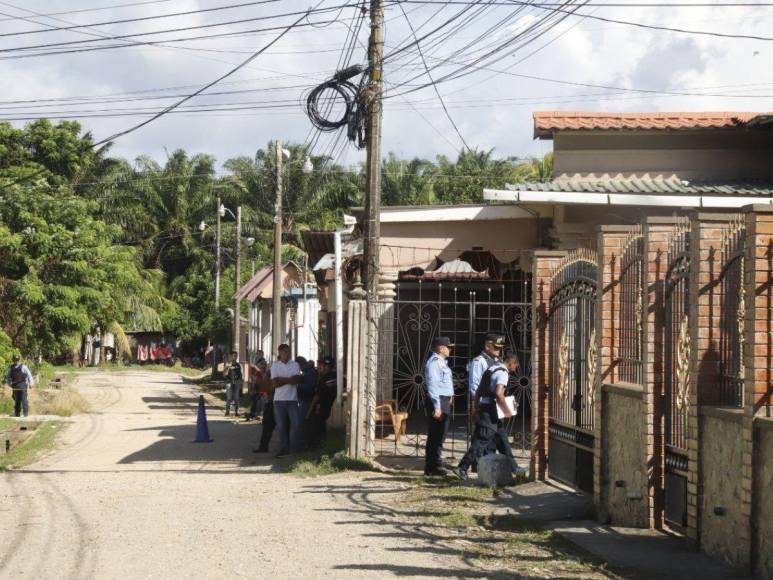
<point x="468" y="520"/>
<point x="62" y="402"/>
<point x="28" y="451"/>
<point x="327" y="460"/>
<point x="6" y="424"/>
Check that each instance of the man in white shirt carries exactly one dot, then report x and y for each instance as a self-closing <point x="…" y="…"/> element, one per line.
<point x="285" y="376"/>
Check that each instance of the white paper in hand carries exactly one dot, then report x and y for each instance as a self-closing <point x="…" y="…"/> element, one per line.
<point x="510" y="401"/>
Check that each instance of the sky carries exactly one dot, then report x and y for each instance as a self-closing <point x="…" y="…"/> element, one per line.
<point x="578" y="63"/>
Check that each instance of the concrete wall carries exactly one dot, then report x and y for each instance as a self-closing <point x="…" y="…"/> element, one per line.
<point x="688" y="155"/>
<point x="623" y="453"/>
<point x="763" y="492"/>
<point x="412" y="244"/>
<point x="721" y="465"/>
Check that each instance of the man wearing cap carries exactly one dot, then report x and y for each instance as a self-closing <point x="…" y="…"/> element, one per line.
<point x="20" y="379"/>
<point x="440" y="395"/>
<point x="492" y="350"/>
<point x="489" y="431"/>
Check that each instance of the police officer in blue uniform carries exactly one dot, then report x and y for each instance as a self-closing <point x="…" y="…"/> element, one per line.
<point x="440" y="395"/>
<point x="489" y="430"/>
<point x="492" y="350"/>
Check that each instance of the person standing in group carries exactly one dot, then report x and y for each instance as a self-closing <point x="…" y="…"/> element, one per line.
<point x="268" y="424"/>
<point x="489" y="430"/>
<point x="20" y="379"/>
<point x="492" y="350"/>
<point x="257" y="386"/>
<point x="306" y="389"/>
<point x="285" y="378"/>
<point x="322" y="403"/>
<point x="235" y="377"/>
<point x="440" y="396"/>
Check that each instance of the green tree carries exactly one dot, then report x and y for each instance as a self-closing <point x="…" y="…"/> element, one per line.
<point x="407" y="182"/>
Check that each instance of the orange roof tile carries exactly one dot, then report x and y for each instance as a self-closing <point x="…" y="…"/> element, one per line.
<point x="546" y="122"/>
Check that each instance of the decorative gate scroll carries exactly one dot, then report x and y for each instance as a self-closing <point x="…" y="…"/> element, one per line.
<point x="572" y="368"/>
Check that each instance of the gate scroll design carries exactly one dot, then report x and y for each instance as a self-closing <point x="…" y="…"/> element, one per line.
<point x="676" y="375"/>
<point x="406" y="329"/>
<point x="572" y="368"/>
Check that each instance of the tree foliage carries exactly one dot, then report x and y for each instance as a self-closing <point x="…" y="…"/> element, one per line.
<point x="88" y="239"/>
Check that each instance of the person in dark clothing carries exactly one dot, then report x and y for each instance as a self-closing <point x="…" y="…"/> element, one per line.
<point x="489" y="430"/>
<point x="322" y="403"/>
<point x="257" y="386"/>
<point x="233" y="393"/>
<point x="267" y="426"/>
<point x="20" y="379"/>
<point x="306" y="390"/>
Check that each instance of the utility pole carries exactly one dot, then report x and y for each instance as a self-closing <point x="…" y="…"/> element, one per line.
<point x="237" y="304"/>
<point x="363" y="418"/>
<point x="217" y="260"/>
<point x="276" y="324"/>
<point x="373" y="143"/>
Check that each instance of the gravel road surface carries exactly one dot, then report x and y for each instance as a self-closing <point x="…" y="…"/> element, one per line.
<point x="127" y="495"/>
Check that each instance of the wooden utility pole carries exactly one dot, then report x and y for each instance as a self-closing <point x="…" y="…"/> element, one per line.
<point x="373" y="144"/>
<point x="276" y="323"/>
<point x="237" y="302"/>
<point x="362" y="426"/>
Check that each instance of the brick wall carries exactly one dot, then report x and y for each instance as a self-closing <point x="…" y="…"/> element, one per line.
<point x="543" y="264"/>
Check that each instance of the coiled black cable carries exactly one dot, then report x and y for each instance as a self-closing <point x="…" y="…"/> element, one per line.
<point x="354" y="116"/>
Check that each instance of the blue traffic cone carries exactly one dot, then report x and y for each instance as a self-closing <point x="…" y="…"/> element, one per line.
<point x="202" y="429"/>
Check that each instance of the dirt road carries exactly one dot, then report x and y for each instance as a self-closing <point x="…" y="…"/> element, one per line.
<point x="127" y="495"/>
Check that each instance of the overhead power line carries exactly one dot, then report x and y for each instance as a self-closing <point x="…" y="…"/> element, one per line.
<point x="98" y="8"/>
<point x="606" y="19"/>
<point x="138" y="18"/>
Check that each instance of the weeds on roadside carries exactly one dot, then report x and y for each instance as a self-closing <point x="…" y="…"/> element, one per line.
<point x="62" y="402"/>
<point x="29" y="450"/>
<point x="327" y="460"/>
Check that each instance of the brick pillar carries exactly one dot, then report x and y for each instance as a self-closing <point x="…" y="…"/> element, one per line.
<point x="543" y="263"/>
<point x="758" y="352"/>
<point x="706" y="238"/>
<point x="656" y="236"/>
<point x="610" y="244"/>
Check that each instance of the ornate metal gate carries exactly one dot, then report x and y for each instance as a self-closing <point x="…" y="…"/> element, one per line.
<point x="676" y="341"/>
<point x="407" y="327"/>
<point x="572" y="368"/>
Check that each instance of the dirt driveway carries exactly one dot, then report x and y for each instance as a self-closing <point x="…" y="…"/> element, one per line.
<point x="127" y="495"/>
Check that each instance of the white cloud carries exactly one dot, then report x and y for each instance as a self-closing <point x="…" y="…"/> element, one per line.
<point x="586" y="52"/>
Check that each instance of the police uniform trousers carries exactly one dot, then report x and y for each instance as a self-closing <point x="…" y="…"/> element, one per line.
<point x="489" y="434"/>
<point x="436" y="435"/>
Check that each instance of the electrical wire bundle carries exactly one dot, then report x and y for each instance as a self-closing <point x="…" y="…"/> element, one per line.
<point x="352" y="95"/>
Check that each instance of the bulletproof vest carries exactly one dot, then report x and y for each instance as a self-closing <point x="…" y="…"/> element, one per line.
<point x="486" y="386"/>
<point x="17" y="376"/>
<point x="490" y="362"/>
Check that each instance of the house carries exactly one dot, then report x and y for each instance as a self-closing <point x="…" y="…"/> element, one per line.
<point x="466" y="270"/>
<point x="300" y="313"/>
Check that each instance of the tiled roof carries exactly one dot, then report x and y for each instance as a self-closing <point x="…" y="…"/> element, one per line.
<point x="545" y="122"/>
<point x="645" y="184"/>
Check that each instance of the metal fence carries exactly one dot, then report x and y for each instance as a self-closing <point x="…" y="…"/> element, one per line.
<point x="732" y="314"/>
<point x="406" y="328"/>
<point x="630" y="323"/>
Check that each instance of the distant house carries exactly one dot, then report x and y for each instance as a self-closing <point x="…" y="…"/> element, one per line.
<point x="300" y="313"/>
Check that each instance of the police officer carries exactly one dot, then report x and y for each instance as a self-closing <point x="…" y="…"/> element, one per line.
<point x="492" y="350"/>
<point x="20" y="379"/>
<point x="440" y="394"/>
<point x="489" y="430"/>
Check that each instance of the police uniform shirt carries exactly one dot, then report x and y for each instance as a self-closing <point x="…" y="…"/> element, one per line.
<point x="439" y="379"/>
<point x="478" y="366"/>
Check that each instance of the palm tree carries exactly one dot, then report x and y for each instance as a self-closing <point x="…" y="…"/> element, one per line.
<point x="407" y="183"/>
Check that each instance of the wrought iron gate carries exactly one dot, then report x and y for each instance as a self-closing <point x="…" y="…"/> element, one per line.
<point x="572" y="368"/>
<point x="676" y="341"/>
<point x="407" y="327"/>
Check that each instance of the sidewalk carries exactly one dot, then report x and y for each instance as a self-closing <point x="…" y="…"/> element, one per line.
<point x="638" y="553"/>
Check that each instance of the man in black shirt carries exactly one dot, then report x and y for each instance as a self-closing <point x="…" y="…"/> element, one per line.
<point x="322" y="403"/>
